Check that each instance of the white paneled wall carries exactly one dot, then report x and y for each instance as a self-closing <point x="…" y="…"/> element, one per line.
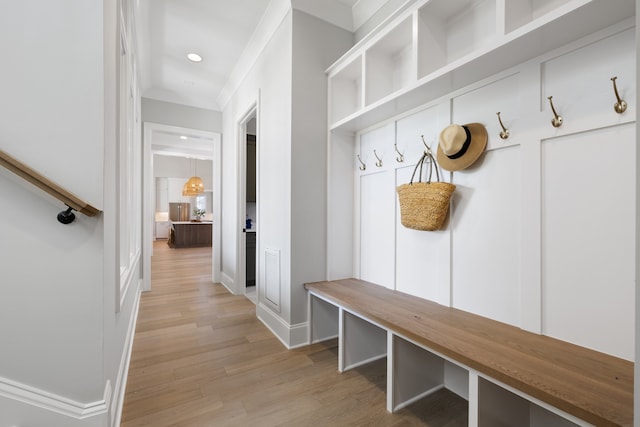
<point x="541" y="233"/>
<point x="377" y="209"/>
<point x="588" y="238"/>
<point x="422" y="258"/>
<point x="485" y="228"/>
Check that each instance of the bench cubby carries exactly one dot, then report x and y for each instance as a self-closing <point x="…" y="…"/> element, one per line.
<point x="498" y="406"/>
<point x="360" y="341"/>
<point x="414" y="373"/>
<point x="326" y="320"/>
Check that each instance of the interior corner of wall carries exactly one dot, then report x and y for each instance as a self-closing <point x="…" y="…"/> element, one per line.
<point x="227" y="282"/>
<point x="292" y="336"/>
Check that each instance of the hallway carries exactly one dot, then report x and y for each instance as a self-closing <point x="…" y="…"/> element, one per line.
<point x="202" y="358"/>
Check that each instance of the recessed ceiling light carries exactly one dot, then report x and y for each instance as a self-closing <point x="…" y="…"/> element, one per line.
<point x="183" y="137"/>
<point x="194" y="57"/>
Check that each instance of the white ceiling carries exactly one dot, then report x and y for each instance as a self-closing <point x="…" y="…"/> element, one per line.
<point x="220" y="31"/>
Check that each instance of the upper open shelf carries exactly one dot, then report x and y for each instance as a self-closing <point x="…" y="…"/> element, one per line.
<point x="437" y="46"/>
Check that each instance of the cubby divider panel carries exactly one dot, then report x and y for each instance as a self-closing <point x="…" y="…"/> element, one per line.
<point x="361" y="342"/>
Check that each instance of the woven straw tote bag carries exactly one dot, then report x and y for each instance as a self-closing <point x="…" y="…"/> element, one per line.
<point x="424" y="205"/>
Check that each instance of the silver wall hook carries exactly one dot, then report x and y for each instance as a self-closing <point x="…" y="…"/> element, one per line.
<point x="620" y="106"/>
<point x="428" y="148"/>
<point x="400" y="156"/>
<point x="556" y="122"/>
<point x="362" y="166"/>
<point x="504" y="133"/>
<point x="378" y="159"/>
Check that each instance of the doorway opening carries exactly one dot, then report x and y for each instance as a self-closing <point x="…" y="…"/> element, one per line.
<point x="172" y="146"/>
<point x="248" y="262"/>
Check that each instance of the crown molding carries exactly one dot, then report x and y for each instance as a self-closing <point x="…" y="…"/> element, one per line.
<point x="271" y="20"/>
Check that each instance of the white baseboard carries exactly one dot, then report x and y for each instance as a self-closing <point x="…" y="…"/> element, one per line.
<point x="123" y="371"/>
<point x="50" y="402"/>
<point x="228" y="282"/>
<point x="292" y="336"/>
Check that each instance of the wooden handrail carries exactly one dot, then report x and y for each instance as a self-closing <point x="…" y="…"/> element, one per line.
<point x="35" y="178"/>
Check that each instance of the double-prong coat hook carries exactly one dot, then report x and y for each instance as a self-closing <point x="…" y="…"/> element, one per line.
<point x="378" y="159"/>
<point x="362" y="166"/>
<point x="620" y="106"/>
<point x="504" y="133"/>
<point x="428" y="149"/>
<point x="400" y="156"/>
<point x="556" y="122"/>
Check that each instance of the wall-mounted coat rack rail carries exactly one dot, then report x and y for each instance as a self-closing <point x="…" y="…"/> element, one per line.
<point x="69" y="199"/>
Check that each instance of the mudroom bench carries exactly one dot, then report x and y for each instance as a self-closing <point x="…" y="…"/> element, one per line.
<point x="509" y="377"/>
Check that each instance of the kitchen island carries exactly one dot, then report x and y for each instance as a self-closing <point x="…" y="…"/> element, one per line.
<point x="190" y="234"/>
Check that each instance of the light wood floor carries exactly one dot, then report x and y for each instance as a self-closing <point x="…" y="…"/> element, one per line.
<point x="201" y="358"/>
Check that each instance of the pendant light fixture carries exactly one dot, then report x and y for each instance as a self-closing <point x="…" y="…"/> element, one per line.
<point x="194" y="185"/>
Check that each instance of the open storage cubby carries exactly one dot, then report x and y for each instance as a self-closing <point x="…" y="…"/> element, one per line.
<point x="324" y="324"/>
<point x="500" y="407"/>
<point x="362" y="342"/>
<point x="389" y="63"/>
<point x="417" y="372"/>
<point x="449" y="30"/>
<point x="521" y="12"/>
<point x="345" y="88"/>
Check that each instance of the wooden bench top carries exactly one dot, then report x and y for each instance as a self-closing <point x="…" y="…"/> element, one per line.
<point x="593" y="386"/>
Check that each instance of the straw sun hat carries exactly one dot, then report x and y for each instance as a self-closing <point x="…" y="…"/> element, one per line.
<point x="461" y="145"/>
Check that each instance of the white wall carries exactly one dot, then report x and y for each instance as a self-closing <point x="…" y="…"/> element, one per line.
<point x="168" y="113"/>
<point x="289" y="81"/>
<point x="636" y="395"/>
<point x="63" y="344"/>
<point x="316" y="45"/>
<point x="269" y="79"/>
<point x="182" y="167"/>
<point x="52" y="121"/>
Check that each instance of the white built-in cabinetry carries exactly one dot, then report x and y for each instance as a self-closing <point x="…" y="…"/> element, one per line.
<point x="437" y="46"/>
<point x="541" y="229"/>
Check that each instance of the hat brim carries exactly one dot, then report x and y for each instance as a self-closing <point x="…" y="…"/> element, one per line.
<point x="476" y="148"/>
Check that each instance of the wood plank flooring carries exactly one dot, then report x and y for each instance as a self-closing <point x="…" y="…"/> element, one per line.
<point x="202" y="358"/>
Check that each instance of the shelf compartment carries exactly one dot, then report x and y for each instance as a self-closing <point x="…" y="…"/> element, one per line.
<point x="498" y="406"/>
<point x="345" y="88"/>
<point x="415" y="373"/>
<point x="360" y="342"/>
<point x="389" y="63"/>
<point x="449" y="30"/>
<point x="521" y="12"/>
<point x="324" y="320"/>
